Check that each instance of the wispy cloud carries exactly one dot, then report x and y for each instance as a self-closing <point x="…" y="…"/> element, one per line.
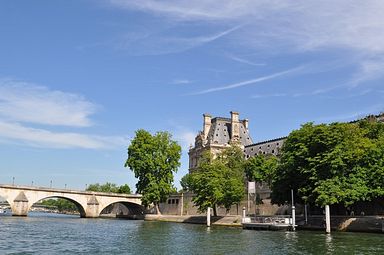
<point x="247" y="82"/>
<point x="370" y="69"/>
<point x="268" y="95"/>
<point x="190" y="10"/>
<point x="26" y="102"/>
<point x="23" y="104"/>
<point x="349" y="116"/>
<point x="245" y="61"/>
<point x="50" y="139"/>
<point x="181" y="81"/>
<point x="186" y="138"/>
<point x="286" y="26"/>
<point x="163" y="43"/>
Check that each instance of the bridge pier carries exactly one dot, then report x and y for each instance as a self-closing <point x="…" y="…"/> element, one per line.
<point x="20" y="205"/>
<point x="92" y="209"/>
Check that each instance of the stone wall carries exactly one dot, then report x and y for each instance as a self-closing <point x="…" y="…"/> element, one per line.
<point x="182" y="204"/>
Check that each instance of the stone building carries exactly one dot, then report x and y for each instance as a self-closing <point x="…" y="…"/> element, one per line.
<point x="219" y="133"/>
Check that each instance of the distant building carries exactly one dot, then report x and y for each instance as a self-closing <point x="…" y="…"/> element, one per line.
<point x="219" y="133"/>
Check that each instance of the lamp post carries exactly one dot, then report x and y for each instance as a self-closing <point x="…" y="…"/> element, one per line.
<point x="13" y="181"/>
<point x="50" y="185"/>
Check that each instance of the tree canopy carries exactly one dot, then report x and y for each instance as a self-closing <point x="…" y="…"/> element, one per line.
<point x="339" y="163"/>
<point x="109" y="187"/>
<point x="61" y="204"/>
<point x="261" y="168"/>
<point x="217" y="181"/>
<point x="153" y="159"/>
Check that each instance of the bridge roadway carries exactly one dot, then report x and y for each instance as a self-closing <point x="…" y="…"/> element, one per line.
<point x="90" y="204"/>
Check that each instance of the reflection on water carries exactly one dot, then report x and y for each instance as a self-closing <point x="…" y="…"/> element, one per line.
<point x="64" y="234"/>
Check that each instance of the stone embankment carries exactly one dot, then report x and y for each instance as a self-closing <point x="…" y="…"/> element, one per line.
<point x="230" y="221"/>
<point x="371" y="224"/>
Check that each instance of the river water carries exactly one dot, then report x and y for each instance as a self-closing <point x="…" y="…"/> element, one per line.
<point x="43" y="233"/>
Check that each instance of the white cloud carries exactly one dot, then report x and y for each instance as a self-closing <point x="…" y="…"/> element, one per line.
<point x="354" y="27"/>
<point x="248" y="82"/>
<point x="370" y="69"/>
<point x="49" y="139"/>
<point x="23" y="104"/>
<point x="181" y="81"/>
<point x="309" y="24"/>
<point x="186" y="138"/>
<point x="26" y="102"/>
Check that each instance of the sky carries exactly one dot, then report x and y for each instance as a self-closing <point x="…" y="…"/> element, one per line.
<point x="79" y="77"/>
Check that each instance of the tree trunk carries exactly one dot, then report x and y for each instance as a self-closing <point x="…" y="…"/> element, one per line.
<point x="214" y="210"/>
<point x="157" y="209"/>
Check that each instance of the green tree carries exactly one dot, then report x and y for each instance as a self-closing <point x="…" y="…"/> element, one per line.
<point x="153" y="159"/>
<point x="124" y="189"/>
<point x="109" y="187"/>
<point x="218" y="181"/>
<point x="261" y="168"/>
<point x="61" y="204"/>
<point x="338" y="163"/>
<point x="186" y="183"/>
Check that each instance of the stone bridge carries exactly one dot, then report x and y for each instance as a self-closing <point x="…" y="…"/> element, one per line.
<point x="90" y="204"/>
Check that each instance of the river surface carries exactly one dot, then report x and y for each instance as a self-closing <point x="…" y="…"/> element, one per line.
<point x="43" y="233"/>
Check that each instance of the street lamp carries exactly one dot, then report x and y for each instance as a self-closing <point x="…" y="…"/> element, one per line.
<point x="50" y="184"/>
<point x="13" y="181"/>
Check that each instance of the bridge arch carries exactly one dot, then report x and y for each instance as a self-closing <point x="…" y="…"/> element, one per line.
<point x="79" y="207"/>
<point x="134" y="210"/>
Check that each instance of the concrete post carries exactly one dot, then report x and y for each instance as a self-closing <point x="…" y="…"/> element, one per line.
<point x="327" y="220"/>
<point x="208" y="216"/>
<point x="293" y="212"/>
<point x="306" y="214"/>
<point x="293" y="217"/>
<point x="181" y="204"/>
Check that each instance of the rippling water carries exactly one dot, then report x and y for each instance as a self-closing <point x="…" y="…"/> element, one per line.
<point x="63" y="234"/>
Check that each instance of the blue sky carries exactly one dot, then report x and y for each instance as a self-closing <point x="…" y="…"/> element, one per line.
<point x="77" y="78"/>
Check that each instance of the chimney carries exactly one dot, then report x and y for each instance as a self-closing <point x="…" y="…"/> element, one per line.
<point x="235" y="126"/>
<point x="207" y="125"/>
<point x="245" y="123"/>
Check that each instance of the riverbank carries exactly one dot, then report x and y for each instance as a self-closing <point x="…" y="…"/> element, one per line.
<point x="368" y="224"/>
<point x="229" y="221"/>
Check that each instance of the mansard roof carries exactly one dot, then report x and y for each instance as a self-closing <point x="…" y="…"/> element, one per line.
<point x="268" y="141"/>
<point x="220" y="132"/>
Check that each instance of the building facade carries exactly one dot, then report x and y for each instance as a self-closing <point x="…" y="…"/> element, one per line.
<point x="219" y="133"/>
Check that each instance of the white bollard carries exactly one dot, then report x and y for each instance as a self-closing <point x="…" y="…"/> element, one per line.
<point x="208" y="216"/>
<point x="293" y="218"/>
<point x="327" y="220"/>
